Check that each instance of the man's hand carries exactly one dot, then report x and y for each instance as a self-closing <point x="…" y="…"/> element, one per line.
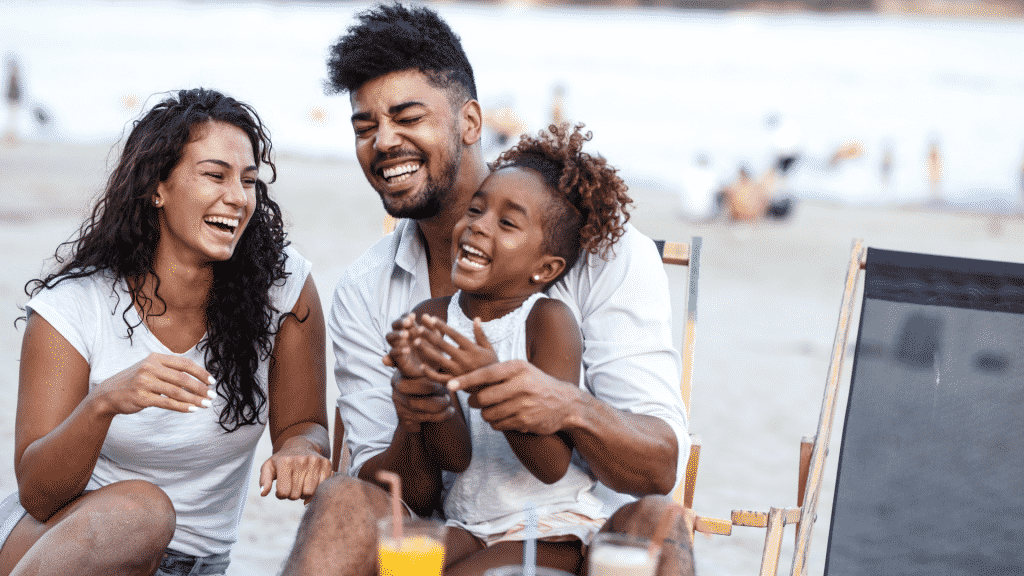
<point x="516" y="395"/>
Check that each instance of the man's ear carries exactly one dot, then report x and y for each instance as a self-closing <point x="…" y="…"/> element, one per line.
<point x="472" y="122"/>
<point x="548" y="269"/>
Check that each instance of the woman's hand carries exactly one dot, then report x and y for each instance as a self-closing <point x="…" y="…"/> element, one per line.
<point x="298" y="468"/>
<point x="160" y="380"/>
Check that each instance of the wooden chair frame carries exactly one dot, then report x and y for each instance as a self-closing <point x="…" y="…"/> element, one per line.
<point x="813" y="449"/>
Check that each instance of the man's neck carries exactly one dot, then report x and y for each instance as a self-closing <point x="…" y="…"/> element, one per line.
<point x="436" y="232"/>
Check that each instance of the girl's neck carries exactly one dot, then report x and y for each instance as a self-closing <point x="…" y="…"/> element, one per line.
<point x="490" y="307"/>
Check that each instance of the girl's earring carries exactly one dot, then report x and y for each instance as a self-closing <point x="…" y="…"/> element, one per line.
<point x="158" y="201"/>
<point x="536" y="278"/>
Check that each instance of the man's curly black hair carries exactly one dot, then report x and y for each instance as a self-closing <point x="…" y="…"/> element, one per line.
<point x="120" y="238"/>
<point x="590" y="202"/>
<point x="390" y="38"/>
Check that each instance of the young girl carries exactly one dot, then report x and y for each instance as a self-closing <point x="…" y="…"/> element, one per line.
<point x="544" y="204"/>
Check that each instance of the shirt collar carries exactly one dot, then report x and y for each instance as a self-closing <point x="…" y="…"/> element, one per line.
<point x="409" y="252"/>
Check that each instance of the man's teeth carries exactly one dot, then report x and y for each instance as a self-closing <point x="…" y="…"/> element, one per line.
<point x="400" y="173"/>
<point x="231" y="223"/>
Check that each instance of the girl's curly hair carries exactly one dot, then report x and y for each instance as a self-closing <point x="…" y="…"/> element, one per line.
<point x="591" y="206"/>
<point x="120" y="238"/>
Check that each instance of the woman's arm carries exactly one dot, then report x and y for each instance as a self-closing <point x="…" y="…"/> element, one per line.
<point x="298" y="398"/>
<point x="61" y="425"/>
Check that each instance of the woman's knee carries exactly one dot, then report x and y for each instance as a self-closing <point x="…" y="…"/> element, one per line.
<point x="133" y="513"/>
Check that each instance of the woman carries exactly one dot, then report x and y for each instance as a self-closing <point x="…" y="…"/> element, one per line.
<point x="177" y="326"/>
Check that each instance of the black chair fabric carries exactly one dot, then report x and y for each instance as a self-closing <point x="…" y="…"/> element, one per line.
<point x="931" y="469"/>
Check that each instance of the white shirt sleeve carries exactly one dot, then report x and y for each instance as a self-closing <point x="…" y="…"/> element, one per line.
<point x="624" y="311"/>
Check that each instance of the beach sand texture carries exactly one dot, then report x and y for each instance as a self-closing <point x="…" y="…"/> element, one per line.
<point x="768" y="307"/>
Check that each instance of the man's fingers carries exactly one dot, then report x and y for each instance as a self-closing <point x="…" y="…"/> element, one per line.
<point x="481" y="378"/>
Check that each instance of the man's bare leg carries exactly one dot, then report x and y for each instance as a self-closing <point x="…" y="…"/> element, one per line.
<point x="338" y="533"/>
<point x="641" y="518"/>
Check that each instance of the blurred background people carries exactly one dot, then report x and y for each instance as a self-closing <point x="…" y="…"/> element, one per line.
<point x="14" y="95"/>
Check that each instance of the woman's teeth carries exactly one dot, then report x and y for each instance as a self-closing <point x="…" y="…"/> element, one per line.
<point x="229" y="224"/>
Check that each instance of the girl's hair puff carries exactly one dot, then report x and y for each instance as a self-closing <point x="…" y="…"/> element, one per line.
<point x="590" y="205"/>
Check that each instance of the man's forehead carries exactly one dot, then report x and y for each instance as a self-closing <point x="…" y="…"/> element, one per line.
<point x="397" y="88"/>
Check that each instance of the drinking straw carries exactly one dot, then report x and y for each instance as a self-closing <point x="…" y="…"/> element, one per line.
<point x="394" y="482"/>
<point x="530" y="545"/>
<point x="668" y="517"/>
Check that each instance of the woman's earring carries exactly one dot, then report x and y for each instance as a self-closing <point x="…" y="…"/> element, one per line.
<point x="157" y="201"/>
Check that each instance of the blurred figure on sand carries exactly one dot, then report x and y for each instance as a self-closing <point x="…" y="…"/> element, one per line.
<point x="934" y="166"/>
<point x="785" y="137"/>
<point x="697" y="196"/>
<point x="505" y="126"/>
<point x="558" y="105"/>
<point x="885" y="169"/>
<point x="14" y="95"/>
<point x="748" y="200"/>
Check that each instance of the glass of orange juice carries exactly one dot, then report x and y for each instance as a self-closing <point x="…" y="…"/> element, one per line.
<point x="420" y="552"/>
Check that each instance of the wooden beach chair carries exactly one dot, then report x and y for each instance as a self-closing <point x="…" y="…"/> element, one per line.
<point x="929" y="476"/>
<point x="813" y="449"/>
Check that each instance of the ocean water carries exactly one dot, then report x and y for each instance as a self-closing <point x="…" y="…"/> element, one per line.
<point x="657" y="87"/>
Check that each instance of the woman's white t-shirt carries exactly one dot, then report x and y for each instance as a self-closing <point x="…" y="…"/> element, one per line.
<point x="203" y="469"/>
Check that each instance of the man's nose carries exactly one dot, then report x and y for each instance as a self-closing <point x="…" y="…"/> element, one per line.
<point x="386" y="138"/>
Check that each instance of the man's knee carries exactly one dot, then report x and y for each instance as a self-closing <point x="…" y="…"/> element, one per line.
<point x="341" y="498"/>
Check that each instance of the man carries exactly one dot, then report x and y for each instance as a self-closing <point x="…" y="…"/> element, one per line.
<point x="417" y="125"/>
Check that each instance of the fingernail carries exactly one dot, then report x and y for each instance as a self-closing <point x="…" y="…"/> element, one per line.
<point x="212" y="381"/>
<point x="207" y="403"/>
<point x="211" y="394"/>
<point x="453" y="385"/>
<point x="193" y="408"/>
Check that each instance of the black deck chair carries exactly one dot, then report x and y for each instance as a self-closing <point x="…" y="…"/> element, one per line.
<point x="930" y="474"/>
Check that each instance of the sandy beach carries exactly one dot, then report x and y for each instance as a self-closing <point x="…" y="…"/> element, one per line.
<point x="768" y="307"/>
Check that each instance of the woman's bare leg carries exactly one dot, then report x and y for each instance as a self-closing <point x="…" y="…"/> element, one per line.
<point x="120" y="529"/>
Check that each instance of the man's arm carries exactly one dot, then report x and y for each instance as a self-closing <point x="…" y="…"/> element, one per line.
<point x="366" y="402"/>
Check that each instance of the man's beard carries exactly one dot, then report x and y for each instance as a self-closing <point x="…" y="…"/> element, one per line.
<point x="435" y="194"/>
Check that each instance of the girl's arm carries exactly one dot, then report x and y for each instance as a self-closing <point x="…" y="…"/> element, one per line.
<point x="61" y="425"/>
<point x="553" y="344"/>
<point x="298" y="397"/>
<point x="446" y="442"/>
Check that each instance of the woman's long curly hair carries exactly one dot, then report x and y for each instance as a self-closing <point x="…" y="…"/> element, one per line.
<point x="120" y="239"/>
<point x="591" y="205"/>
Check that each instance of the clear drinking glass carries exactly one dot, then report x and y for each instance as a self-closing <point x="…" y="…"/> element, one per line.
<point x="614" y="554"/>
<point x="420" y="552"/>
